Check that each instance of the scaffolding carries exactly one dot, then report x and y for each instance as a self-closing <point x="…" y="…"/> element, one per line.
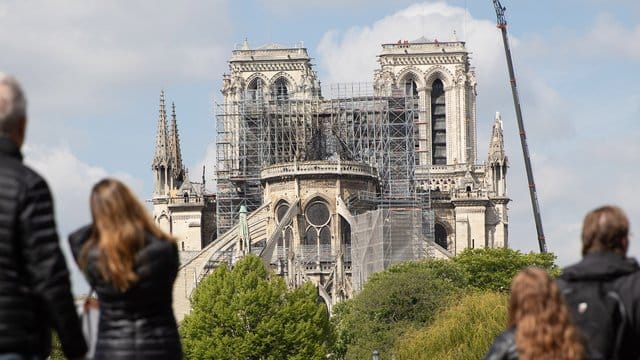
<point x="355" y="125"/>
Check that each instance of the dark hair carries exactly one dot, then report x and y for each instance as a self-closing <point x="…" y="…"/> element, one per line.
<point x="605" y="229"/>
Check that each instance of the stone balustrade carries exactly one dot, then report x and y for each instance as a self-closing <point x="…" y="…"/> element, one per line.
<point x="341" y="168"/>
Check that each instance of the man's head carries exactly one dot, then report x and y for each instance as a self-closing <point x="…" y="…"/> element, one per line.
<point x="605" y="229"/>
<point x="13" y="109"/>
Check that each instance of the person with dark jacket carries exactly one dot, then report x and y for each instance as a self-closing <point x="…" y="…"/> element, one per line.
<point x="35" y="290"/>
<point x="605" y="239"/>
<point x="539" y="326"/>
<point x="132" y="265"/>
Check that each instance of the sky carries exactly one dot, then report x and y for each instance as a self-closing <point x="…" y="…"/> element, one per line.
<point x="93" y="72"/>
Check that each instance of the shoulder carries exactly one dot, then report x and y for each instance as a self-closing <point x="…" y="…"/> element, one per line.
<point x="629" y="286"/>
<point x="158" y="248"/>
<point x="78" y="238"/>
<point x="19" y="178"/>
<point x="503" y="347"/>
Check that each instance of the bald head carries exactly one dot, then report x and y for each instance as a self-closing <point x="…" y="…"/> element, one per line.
<point x="13" y="109"/>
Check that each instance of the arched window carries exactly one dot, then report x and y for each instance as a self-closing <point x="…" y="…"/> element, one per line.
<point x="438" y="124"/>
<point x="284" y="239"/>
<point x="255" y="89"/>
<point x="440" y="235"/>
<point x="318" y="231"/>
<point x="410" y="87"/>
<point x="280" y="90"/>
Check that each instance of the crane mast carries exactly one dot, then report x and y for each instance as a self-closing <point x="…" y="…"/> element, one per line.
<point x="502" y="25"/>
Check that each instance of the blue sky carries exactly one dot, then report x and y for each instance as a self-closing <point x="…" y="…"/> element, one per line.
<point x="93" y="71"/>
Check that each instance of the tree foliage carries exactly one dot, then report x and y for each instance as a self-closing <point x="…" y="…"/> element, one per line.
<point x="406" y="298"/>
<point x="407" y="295"/>
<point x="245" y="313"/>
<point x="462" y="331"/>
<point x="493" y="269"/>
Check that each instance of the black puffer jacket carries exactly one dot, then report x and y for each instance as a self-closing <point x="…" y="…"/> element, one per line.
<point x="138" y="323"/>
<point x="504" y="346"/>
<point x="35" y="291"/>
<point x="624" y="274"/>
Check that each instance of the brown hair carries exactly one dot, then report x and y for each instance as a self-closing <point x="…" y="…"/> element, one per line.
<point x="605" y="229"/>
<point x="120" y="222"/>
<point x="541" y="319"/>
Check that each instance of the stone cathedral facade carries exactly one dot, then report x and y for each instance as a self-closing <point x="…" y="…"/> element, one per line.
<point x="332" y="189"/>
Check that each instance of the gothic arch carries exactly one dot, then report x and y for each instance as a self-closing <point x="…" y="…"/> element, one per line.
<point x="318" y="216"/>
<point x="417" y="74"/>
<point x="439" y="227"/>
<point x="439" y="72"/>
<point x="279" y="203"/>
<point x="318" y="196"/>
<point x="256" y="76"/>
<point x="164" y="222"/>
<point x="291" y="82"/>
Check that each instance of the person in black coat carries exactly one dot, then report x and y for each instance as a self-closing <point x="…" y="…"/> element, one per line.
<point x="539" y="326"/>
<point x="605" y="240"/>
<point x="35" y="291"/>
<point x="132" y="265"/>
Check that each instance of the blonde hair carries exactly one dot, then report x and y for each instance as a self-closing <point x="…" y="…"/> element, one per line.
<point x="541" y="319"/>
<point x="120" y="223"/>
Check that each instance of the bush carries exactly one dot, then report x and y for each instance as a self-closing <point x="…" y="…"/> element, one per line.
<point x="463" y="331"/>
<point x="406" y="296"/>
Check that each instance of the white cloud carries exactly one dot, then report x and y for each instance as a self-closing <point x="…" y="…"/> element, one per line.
<point x="70" y="181"/>
<point x="608" y="36"/>
<point x="80" y="55"/>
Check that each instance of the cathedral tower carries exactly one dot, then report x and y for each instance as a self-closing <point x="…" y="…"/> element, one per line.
<point x="180" y="207"/>
<point x="469" y="198"/>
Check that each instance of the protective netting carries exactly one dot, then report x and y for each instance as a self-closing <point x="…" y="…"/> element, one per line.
<point x="384" y="237"/>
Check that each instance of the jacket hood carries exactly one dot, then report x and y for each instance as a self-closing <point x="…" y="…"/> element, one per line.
<point x="600" y="266"/>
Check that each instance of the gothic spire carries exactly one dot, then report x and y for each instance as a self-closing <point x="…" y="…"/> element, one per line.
<point x="160" y="156"/>
<point x="496" y="146"/>
<point x="175" y="156"/>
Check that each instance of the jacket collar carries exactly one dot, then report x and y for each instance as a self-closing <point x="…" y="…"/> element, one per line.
<point x="600" y="266"/>
<point x="9" y="148"/>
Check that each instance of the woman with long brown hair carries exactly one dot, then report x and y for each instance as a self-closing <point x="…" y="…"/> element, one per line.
<point x="131" y="264"/>
<point x="539" y="326"/>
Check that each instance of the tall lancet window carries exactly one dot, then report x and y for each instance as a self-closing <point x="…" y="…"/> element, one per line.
<point x="254" y="90"/>
<point x="280" y="90"/>
<point x="438" y="124"/>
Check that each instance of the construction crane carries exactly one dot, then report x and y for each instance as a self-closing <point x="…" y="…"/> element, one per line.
<point x="502" y="25"/>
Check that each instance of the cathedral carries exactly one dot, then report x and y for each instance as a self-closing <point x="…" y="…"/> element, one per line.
<point x="331" y="189"/>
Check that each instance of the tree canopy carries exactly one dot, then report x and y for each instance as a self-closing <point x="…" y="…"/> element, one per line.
<point x="462" y="331"/>
<point x="493" y="269"/>
<point x="407" y="297"/>
<point x="247" y="313"/>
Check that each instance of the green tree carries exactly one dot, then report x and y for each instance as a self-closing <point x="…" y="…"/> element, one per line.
<point x="406" y="296"/>
<point x="493" y="269"/>
<point x="462" y="331"/>
<point x="246" y="313"/>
